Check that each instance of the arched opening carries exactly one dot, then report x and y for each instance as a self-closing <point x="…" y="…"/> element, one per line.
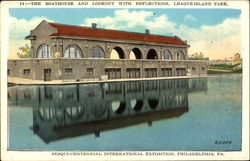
<point x="152" y="54"/>
<point x="136" y="104"/>
<point x="153" y="103"/>
<point x="118" y="107"/>
<point x="166" y="55"/>
<point x="117" y="53"/>
<point x="135" y="54"/>
<point x="96" y="52"/>
<point x="73" y="51"/>
<point x="75" y="112"/>
<point x="180" y="55"/>
<point x="44" y="51"/>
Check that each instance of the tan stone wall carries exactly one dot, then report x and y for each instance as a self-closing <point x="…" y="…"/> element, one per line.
<point x="79" y="67"/>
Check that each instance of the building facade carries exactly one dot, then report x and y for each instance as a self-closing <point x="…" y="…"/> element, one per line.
<point x="65" y="52"/>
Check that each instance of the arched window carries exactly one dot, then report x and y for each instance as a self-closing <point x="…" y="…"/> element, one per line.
<point x="44" y="51"/>
<point x="96" y="52"/>
<point x="73" y="51"/>
<point x="167" y="55"/>
<point x="180" y="55"/>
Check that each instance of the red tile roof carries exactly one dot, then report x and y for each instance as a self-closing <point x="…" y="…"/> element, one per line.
<point x="79" y="31"/>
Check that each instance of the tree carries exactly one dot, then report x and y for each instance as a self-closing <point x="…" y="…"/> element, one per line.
<point x="25" y="52"/>
<point x="237" y="58"/>
<point x="198" y="56"/>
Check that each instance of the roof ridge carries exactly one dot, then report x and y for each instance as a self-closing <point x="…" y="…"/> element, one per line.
<point x="174" y="36"/>
<point x="65" y="29"/>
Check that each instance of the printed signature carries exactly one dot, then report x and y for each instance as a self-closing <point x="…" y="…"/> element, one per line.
<point x="223" y="142"/>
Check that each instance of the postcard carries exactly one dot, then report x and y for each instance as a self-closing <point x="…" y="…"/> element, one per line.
<point x="124" y="80"/>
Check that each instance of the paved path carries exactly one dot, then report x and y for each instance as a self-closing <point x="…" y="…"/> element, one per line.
<point x="220" y="70"/>
<point x="22" y="81"/>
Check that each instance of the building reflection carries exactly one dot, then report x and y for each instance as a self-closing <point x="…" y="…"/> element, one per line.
<point x="64" y="111"/>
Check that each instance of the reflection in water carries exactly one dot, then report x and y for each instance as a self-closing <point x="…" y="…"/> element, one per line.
<point x="153" y="103"/>
<point x="136" y="104"/>
<point x="73" y="110"/>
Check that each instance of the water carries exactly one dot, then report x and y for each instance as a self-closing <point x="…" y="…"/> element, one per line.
<point x="185" y="114"/>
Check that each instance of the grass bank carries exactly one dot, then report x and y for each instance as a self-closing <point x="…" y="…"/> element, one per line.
<point x="224" y="69"/>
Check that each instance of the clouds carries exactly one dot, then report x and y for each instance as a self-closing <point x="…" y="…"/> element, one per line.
<point x="136" y="21"/>
<point x="218" y="41"/>
<point x="19" y="28"/>
<point x="223" y="35"/>
<point x="190" y="18"/>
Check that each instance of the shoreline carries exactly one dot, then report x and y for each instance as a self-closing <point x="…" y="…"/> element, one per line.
<point x="21" y="81"/>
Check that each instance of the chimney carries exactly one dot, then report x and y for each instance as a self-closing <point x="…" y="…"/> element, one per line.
<point x="94" y="25"/>
<point x="147" y="31"/>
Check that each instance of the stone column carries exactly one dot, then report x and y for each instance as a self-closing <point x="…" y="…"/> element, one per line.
<point x="123" y="69"/>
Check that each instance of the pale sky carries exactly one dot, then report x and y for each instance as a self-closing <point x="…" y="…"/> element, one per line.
<point x="214" y="32"/>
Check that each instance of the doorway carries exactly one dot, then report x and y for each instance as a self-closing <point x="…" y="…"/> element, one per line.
<point x="47" y="74"/>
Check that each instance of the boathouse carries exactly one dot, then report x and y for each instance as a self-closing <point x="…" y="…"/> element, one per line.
<point x="66" y="52"/>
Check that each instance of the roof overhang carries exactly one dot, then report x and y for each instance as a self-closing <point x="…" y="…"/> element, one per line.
<point x="30" y="37"/>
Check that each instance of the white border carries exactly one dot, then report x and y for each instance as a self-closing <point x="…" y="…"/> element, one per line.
<point x="46" y="155"/>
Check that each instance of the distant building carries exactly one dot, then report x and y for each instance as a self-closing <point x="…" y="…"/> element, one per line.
<point x="63" y="52"/>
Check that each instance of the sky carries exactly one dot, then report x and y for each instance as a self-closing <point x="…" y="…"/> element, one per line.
<point x="214" y="32"/>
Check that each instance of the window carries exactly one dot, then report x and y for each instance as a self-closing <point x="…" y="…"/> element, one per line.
<point x="166" y="72"/>
<point x="26" y="71"/>
<point x="68" y="70"/>
<point x="203" y="68"/>
<point x="133" y="72"/>
<point x="150" y="72"/>
<point x="90" y="71"/>
<point x="8" y="72"/>
<point x="180" y="71"/>
<point x="113" y="73"/>
<point x="180" y="55"/>
<point x="166" y="55"/>
<point x="193" y="68"/>
<point x="73" y="51"/>
<point x="44" y="51"/>
<point x="96" y="52"/>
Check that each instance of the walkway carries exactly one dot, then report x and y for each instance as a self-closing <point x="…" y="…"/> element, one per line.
<point x="220" y="70"/>
<point x="21" y="81"/>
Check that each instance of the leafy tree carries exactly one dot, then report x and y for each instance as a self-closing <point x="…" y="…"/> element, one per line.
<point x="237" y="58"/>
<point x="25" y="52"/>
<point x="198" y="56"/>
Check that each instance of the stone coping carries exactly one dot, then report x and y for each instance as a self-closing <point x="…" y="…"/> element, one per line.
<point x="107" y="59"/>
<point x="21" y="81"/>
